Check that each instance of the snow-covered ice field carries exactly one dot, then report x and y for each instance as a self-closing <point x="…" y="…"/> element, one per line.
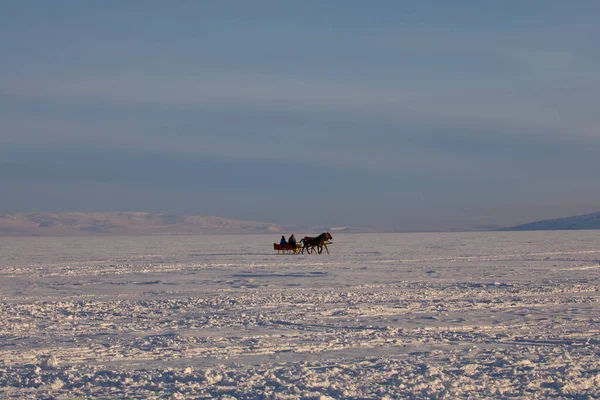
<point x="434" y="315"/>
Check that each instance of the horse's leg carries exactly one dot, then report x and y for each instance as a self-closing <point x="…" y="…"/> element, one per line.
<point x="326" y="248"/>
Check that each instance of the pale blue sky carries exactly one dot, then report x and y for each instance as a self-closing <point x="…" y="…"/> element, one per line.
<point x="394" y="114"/>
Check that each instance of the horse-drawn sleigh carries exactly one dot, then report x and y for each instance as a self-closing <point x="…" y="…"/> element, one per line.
<point x="288" y="248"/>
<point x="312" y="245"/>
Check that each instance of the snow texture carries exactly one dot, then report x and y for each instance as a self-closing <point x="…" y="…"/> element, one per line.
<point x="421" y="316"/>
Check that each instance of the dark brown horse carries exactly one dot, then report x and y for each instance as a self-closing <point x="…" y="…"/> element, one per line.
<point x="316" y="243"/>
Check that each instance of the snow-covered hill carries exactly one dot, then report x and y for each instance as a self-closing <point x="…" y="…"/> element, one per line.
<point x="586" y="221"/>
<point x="125" y="223"/>
<point x="140" y="223"/>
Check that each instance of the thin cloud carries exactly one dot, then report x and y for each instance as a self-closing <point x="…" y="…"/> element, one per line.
<point x="538" y="110"/>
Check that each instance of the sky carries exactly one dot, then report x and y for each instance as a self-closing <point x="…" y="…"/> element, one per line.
<point x="402" y="115"/>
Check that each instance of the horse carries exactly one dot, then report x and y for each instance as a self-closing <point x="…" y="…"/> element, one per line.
<point x="312" y="243"/>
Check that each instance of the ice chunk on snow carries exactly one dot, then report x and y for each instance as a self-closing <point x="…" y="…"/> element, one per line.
<point x="49" y="363"/>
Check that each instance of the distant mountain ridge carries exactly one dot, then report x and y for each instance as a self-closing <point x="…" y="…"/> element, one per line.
<point x="140" y="223"/>
<point x="125" y="223"/>
<point x="585" y="221"/>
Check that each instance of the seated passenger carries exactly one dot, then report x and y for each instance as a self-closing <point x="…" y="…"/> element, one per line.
<point x="292" y="241"/>
<point x="282" y="242"/>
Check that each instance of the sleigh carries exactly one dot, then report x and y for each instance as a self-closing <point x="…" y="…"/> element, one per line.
<point x="289" y="249"/>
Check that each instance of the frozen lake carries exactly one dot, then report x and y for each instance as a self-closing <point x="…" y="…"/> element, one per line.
<point x="432" y="315"/>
